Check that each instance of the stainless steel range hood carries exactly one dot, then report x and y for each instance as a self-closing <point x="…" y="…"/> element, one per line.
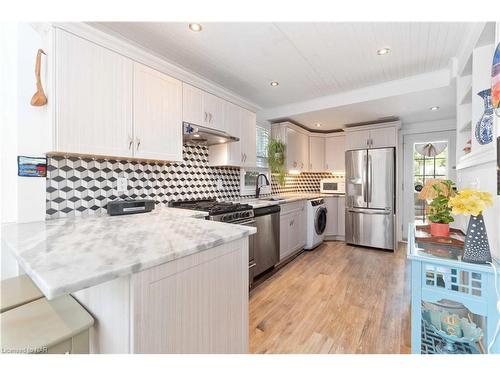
<point x="199" y="134"/>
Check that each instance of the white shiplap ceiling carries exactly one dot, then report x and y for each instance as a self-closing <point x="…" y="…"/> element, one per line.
<point x="409" y="108"/>
<point x="309" y="60"/>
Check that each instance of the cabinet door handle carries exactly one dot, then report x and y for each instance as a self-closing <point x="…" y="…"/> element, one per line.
<point x="206" y="116"/>
<point x="292" y="222"/>
<point x="295" y="164"/>
<point x="302" y="166"/>
<point x="209" y="117"/>
<point x="138" y="140"/>
<point x="130" y="142"/>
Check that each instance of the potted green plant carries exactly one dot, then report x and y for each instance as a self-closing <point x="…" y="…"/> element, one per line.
<point x="438" y="193"/>
<point x="276" y="159"/>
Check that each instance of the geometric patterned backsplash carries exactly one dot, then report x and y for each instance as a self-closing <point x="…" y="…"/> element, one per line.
<point x="83" y="186"/>
<point x="305" y="182"/>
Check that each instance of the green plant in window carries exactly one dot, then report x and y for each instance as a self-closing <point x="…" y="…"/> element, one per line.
<point x="276" y="159"/>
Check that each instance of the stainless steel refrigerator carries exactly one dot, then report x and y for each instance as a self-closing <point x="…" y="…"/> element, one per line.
<point x="370" y="198"/>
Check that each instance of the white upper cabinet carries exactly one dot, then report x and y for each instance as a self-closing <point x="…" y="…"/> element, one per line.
<point x="335" y="153"/>
<point x="296" y="140"/>
<point x="357" y="140"/>
<point x="303" y="152"/>
<point x="192" y="104"/>
<point x="157" y="115"/>
<point x="240" y="123"/>
<point x="383" y="137"/>
<point x="93" y="96"/>
<point x="213" y="109"/>
<point x="371" y="137"/>
<point x="248" y="137"/>
<point x="108" y="105"/>
<point x="232" y="126"/>
<point x="316" y="154"/>
<point x="202" y="108"/>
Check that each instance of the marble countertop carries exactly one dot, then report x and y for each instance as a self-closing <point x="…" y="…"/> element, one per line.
<point x="66" y="255"/>
<point x="284" y="198"/>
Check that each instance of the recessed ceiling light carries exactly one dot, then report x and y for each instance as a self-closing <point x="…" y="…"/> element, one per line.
<point x="435" y="108"/>
<point x="383" y="51"/>
<point x="274" y="83"/>
<point x="196" y="135"/>
<point x="195" y="27"/>
<point x="318" y="125"/>
<point x="221" y="141"/>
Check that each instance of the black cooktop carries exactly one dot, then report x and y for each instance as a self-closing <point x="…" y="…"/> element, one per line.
<point x="211" y="206"/>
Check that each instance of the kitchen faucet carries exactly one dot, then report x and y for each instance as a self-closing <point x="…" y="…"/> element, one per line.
<point x="257" y="187"/>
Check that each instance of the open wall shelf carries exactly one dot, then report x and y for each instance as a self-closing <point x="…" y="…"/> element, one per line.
<point x="474" y="77"/>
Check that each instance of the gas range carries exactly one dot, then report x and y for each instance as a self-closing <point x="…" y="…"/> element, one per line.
<point x="227" y="212"/>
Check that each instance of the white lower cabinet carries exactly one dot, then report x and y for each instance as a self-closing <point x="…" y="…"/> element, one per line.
<point x="292" y="228"/>
<point x="335" y="219"/>
<point x="195" y="304"/>
<point x="332" y="204"/>
<point x="341" y="216"/>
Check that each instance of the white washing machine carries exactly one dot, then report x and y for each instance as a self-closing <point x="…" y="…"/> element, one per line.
<point x="316" y="223"/>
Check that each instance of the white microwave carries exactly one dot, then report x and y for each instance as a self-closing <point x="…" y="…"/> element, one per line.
<point x="334" y="185"/>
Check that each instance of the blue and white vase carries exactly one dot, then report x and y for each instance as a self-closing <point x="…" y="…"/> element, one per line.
<point x="484" y="127"/>
<point x="476" y="246"/>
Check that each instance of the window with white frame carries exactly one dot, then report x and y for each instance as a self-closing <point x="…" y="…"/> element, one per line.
<point x="261" y="146"/>
<point x="248" y="178"/>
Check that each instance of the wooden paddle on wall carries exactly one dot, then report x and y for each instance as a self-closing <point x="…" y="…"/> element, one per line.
<point x="39" y="99"/>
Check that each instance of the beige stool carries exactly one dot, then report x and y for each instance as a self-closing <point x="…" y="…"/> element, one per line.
<point x="17" y="291"/>
<point x="43" y="326"/>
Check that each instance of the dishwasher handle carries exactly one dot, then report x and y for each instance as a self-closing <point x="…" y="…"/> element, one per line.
<point x="261" y="211"/>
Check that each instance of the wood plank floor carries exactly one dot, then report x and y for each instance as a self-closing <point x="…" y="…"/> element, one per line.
<point x="335" y="299"/>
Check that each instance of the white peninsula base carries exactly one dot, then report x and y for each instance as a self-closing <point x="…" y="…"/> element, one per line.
<point x="195" y="304"/>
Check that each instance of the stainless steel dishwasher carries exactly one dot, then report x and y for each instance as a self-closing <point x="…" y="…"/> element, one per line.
<point x="266" y="241"/>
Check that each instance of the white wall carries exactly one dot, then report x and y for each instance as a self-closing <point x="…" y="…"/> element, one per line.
<point x="34" y="123"/>
<point x="8" y="126"/>
<point x="26" y="130"/>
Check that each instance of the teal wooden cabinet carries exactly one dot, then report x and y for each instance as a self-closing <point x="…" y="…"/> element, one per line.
<point x="453" y="304"/>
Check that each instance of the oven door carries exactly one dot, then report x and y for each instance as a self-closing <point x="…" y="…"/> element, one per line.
<point x="251" y="251"/>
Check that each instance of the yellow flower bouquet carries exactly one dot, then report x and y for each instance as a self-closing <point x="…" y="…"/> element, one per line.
<point x="470" y="202"/>
<point x="473" y="202"/>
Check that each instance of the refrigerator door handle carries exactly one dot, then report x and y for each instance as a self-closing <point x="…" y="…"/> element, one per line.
<point x="369" y="212"/>
<point x="369" y="185"/>
<point x="365" y="182"/>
